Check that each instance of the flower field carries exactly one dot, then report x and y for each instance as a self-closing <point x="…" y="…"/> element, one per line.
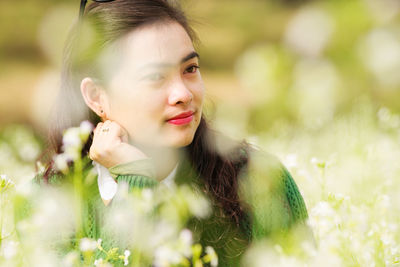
<point x="346" y="172"/>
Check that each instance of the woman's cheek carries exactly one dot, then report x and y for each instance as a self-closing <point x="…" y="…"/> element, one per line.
<point x="199" y="90"/>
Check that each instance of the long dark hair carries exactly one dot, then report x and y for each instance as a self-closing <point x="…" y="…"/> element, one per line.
<point x="106" y="23"/>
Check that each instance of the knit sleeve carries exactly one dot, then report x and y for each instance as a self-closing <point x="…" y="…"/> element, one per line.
<point x="137" y="173"/>
<point x="143" y="167"/>
<point x="273" y="196"/>
<point x="136" y="181"/>
<point x="295" y="199"/>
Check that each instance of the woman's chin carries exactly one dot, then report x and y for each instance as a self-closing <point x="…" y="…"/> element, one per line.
<point x="181" y="141"/>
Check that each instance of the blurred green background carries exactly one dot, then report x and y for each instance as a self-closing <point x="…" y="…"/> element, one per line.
<point x="263" y="62"/>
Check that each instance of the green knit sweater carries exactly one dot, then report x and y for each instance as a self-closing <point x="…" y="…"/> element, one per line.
<point x="274" y="203"/>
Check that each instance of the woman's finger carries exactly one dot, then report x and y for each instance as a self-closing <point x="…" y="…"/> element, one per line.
<point x="105" y="126"/>
<point x="98" y="126"/>
<point x="96" y="131"/>
<point x="103" y="134"/>
<point x="109" y="131"/>
<point x="107" y="136"/>
<point x="93" y="151"/>
<point x="119" y="131"/>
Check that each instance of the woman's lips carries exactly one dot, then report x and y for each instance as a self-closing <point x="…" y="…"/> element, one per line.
<point x="181" y="121"/>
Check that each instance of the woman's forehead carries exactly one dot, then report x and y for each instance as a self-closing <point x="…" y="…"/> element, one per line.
<point x="154" y="44"/>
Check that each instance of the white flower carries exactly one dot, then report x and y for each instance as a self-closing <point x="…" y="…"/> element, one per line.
<point x="380" y="51"/>
<point x="384" y="202"/>
<point x="98" y="243"/>
<point x="165" y="256"/>
<point x="10" y="249"/>
<point x="72" y="153"/>
<point x="186" y="239"/>
<point x="387" y="239"/>
<point x="291" y="161"/>
<point x="318" y="163"/>
<point x="186" y="236"/>
<point x="61" y="162"/>
<point x="101" y="263"/>
<point x="309" y="31"/>
<point x="147" y="194"/>
<point x="28" y="151"/>
<point x="98" y="262"/>
<point x="5" y="183"/>
<point x="213" y="256"/>
<point x="127" y="253"/>
<point x="323" y="209"/>
<point x="71" y="259"/>
<point x="87" y="244"/>
<point x="71" y="138"/>
<point x="25" y="189"/>
<point x="198" y="204"/>
<point x="86" y="127"/>
<point x="40" y="166"/>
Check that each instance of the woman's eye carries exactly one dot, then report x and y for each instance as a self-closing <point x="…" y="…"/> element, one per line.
<point x="192" y="69"/>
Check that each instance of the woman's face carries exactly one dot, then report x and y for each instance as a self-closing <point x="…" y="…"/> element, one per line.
<point x="156" y="80"/>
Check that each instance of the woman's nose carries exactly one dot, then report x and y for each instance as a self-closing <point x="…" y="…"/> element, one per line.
<point x="179" y="93"/>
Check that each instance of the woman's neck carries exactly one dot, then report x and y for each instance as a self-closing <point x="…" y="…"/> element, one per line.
<point x="165" y="159"/>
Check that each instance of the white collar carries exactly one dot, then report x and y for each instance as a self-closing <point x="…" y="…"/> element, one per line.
<point x="169" y="180"/>
<point x="108" y="186"/>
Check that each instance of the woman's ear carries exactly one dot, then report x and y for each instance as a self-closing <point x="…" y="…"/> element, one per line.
<point x="94" y="96"/>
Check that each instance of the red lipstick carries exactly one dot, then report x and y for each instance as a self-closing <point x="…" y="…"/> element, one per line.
<point x="182" y="118"/>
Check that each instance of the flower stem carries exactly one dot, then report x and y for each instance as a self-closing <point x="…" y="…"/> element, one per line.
<point x="78" y="191"/>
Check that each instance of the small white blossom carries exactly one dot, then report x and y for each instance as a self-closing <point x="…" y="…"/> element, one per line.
<point x="71" y="259"/>
<point x="147" y="194"/>
<point x="87" y="244"/>
<point x="165" y="256"/>
<point x="61" y="162"/>
<point x="98" y="243"/>
<point x="86" y="127"/>
<point x="318" y="163"/>
<point x="98" y="262"/>
<point x="9" y="249"/>
<point x="309" y="31"/>
<point x="323" y="209"/>
<point x="101" y="263"/>
<point x="291" y="161"/>
<point x="186" y="239"/>
<point x="5" y="183"/>
<point x="384" y="202"/>
<point x="40" y="166"/>
<point x="213" y="256"/>
<point x="198" y="204"/>
<point x="71" y="138"/>
<point x="186" y="236"/>
<point x="127" y="253"/>
<point x="72" y="153"/>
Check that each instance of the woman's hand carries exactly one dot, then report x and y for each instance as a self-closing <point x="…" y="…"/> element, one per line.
<point x="110" y="145"/>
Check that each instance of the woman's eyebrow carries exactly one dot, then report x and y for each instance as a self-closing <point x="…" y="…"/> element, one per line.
<point x="190" y="56"/>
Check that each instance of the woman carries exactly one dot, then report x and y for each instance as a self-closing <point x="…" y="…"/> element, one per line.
<point x="138" y="74"/>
